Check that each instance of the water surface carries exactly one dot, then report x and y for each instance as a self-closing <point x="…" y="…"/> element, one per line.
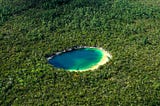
<point x="79" y="59"/>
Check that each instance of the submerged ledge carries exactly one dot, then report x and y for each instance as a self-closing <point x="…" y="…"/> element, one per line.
<point x="106" y="56"/>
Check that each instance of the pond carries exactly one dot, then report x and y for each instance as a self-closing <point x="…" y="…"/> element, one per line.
<point x="80" y="59"/>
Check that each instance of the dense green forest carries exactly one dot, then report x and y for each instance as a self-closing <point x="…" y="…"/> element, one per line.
<point x="30" y="30"/>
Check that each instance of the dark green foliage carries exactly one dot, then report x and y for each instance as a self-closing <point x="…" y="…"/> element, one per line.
<point x="33" y="29"/>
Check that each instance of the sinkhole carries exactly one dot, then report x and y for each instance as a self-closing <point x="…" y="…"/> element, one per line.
<point x="80" y="59"/>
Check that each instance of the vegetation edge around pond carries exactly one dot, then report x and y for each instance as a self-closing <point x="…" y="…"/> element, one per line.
<point x="106" y="56"/>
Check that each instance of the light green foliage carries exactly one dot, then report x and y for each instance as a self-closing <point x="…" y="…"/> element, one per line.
<point x="32" y="29"/>
<point x="150" y="2"/>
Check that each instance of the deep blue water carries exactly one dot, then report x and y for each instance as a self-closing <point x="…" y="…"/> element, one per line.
<point x="79" y="59"/>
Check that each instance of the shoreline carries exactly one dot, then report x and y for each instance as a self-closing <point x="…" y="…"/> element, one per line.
<point x="105" y="58"/>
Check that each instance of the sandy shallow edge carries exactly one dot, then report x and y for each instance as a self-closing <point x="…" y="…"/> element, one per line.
<point x="105" y="58"/>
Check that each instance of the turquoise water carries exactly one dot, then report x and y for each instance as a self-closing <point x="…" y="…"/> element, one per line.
<point x="79" y="59"/>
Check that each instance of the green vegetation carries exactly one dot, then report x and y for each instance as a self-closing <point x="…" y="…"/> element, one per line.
<point x="33" y="29"/>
